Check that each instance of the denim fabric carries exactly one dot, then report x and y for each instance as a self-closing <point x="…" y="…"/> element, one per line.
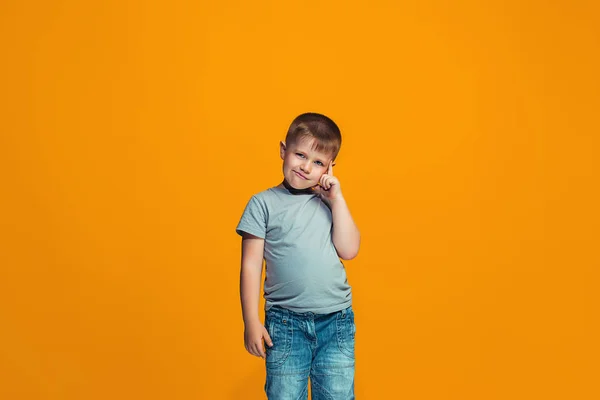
<point x="306" y="344"/>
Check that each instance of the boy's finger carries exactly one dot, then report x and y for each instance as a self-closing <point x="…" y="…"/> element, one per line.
<point x="267" y="338"/>
<point x="255" y="350"/>
<point x="330" y="169"/>
<point x="251" y="350"/>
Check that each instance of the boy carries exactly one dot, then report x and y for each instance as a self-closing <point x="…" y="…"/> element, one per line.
<point x="301" y="228"/>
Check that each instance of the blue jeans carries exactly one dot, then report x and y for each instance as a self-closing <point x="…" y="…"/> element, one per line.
<point x="306" y="344"/>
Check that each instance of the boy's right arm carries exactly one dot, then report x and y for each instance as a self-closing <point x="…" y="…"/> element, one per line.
<point x="251" y="270"/>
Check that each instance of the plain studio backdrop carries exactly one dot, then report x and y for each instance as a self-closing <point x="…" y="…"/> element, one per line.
<point x="134" y="132"/>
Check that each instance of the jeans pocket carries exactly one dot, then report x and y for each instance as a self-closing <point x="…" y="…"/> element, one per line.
<point x="346" y="330"/>
<point x="280" y="331"/>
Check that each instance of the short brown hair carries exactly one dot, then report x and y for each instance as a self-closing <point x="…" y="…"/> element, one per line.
<point x="326" y="134"/>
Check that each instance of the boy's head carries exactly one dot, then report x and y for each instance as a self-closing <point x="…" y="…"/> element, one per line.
<point x="312" y="142"/>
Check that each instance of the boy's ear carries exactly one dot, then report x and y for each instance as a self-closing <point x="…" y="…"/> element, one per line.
<point x="282" y="149"/>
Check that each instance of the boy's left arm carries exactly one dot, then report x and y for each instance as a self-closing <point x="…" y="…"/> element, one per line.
<point x="346" y="237"/>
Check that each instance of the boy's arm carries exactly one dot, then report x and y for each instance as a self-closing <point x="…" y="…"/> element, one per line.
<point x="252" y="262"/>
<point x="346" y="237"/>
<point x="251" y="270"/>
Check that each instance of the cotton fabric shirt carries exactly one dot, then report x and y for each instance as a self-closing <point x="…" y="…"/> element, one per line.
<point x="303" y="270"/>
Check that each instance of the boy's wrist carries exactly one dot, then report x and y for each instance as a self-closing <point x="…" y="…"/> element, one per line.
<point x="251" y="320"/>
<point x="339" y="199"/>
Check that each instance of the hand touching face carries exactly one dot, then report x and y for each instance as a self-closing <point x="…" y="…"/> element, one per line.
<point x="329" y="186"/>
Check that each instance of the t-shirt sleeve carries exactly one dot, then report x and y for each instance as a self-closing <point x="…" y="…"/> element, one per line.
<point x="254" y="219"/>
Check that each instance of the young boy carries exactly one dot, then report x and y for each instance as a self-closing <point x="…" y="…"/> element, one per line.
<point x="301" y="228"/>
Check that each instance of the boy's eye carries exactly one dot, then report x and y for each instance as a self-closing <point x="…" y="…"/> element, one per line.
<point x="300" y="155"/>
<point x="319" y="163"/>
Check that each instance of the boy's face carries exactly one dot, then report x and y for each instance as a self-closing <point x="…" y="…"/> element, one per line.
<point x="303" y="166"/>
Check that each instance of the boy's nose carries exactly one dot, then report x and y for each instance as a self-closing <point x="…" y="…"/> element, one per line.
<point x="306" y="167"/>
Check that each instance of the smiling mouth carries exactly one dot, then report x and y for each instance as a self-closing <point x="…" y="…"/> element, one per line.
<point x="300" y="175"/>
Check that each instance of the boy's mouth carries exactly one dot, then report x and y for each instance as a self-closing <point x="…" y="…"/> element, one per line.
<point x="300" y="175"/>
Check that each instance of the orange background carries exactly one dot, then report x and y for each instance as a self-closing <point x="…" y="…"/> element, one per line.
<point x="134" y="133"/>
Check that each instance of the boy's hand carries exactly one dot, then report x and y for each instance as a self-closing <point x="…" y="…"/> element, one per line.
<point x="254" y="334"/>
<point x="329" y="186"/>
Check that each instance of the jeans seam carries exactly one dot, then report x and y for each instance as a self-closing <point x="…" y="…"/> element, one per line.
<point x="321" y="390"/>
<point x="340" y="337"/>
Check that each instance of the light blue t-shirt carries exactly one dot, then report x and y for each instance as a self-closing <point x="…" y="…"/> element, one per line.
<point x="303" y="270"/>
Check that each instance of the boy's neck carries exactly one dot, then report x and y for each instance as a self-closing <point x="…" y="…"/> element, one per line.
<point x="293" y="190"/>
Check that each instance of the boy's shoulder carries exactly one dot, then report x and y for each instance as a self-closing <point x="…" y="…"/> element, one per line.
<point x="265" y="198"/>
<point x="266" y="194"/>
